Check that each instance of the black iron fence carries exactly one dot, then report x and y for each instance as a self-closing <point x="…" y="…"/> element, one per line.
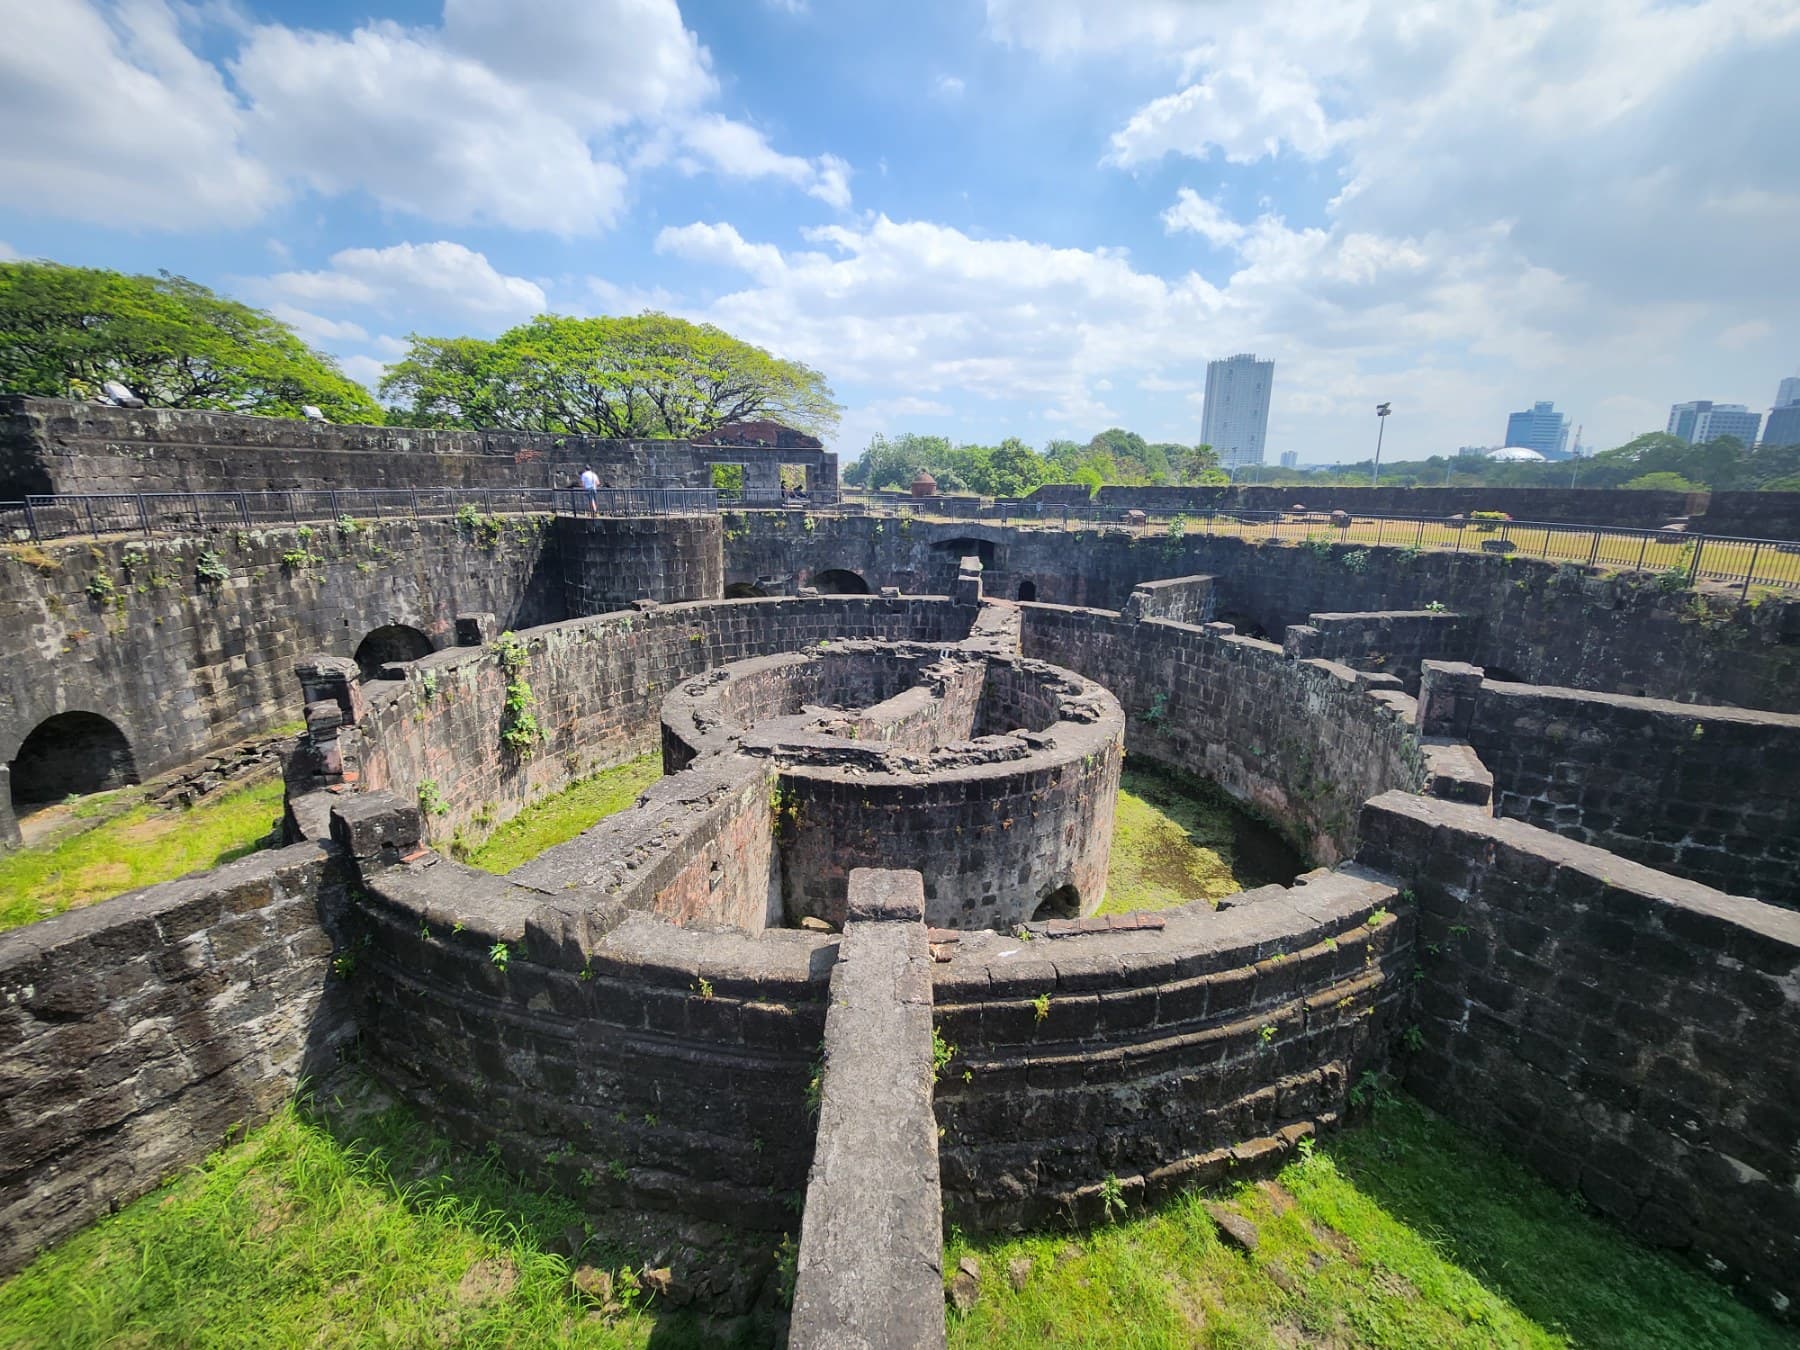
<point x="1684" y="558"/>
<point x="148" y="513"/>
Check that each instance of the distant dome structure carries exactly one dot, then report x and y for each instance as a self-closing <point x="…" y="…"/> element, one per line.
<point x="924" y="485"/>
<point x="1515" y="454"/>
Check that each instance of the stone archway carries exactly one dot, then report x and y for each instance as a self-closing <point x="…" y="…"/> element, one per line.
<point x="840" y="581"/>
<point x="390" y="642"/>
<point x="72" y="753"/>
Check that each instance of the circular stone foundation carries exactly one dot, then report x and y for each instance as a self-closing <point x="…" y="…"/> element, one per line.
<point x="993" y="776"/>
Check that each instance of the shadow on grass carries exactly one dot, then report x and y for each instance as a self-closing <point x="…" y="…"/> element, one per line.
<point x="1558" y="1262"/>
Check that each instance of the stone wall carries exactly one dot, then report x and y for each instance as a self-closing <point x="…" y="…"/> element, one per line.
<point x="597" y="685"/>
<point x="870" y="1269"/>
<point x="1539" y="621"/>
<point x="1389" y="642"/>
<point x="54" y="445"/>
<point x="608" y="562"/>
<point x="1300" y="743"/>
<point x="1712" y="794"/>
<point x="183" y="663"/>
<point x="137" y="1034"/>
<point x="1632" y="1035"/>
<point x="1187" y="1053"/>
<point x="1753" y="515"/>
<point x="619" y="1059"/>
<point x="1178" y="599"/>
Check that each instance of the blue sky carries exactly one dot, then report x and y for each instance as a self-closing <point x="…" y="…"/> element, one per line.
<point x="978" y="217"/>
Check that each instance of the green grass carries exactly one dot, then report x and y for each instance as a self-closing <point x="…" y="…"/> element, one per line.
<point x="1177" y="838"/>
<point x="1403" y="1233"/>
<point x="559" y="818"/>
<point x="293" y="1237"/>
<point x="136" y="847"/>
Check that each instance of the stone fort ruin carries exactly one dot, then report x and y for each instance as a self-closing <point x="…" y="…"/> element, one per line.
<point x="1550" y="817"/>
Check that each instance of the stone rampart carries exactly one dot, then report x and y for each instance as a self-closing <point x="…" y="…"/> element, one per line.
<point x="55" y="445"/>
<point x="1198" y="1049"/>
<point x="136" y="1035"/>
<point x="608" y="562"/>
<point x="1632" y="509"/>
<point x="1303" y="744"/>
<point x="1712" y="794"/>
<point x="1537" y="620"/>
<point x="597" y="687"/>
<point x="1177" y="599"/>
<point x="189" y="645"/>
<point x="1388" y="642"/>
<point x="870" y="1270"/>
<point x="1633" y="1035"/>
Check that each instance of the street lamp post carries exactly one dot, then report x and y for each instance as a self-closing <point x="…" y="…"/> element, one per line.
<point x="1381" y="415"/>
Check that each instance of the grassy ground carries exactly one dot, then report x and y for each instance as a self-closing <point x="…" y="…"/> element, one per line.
<point x="1402" y="1233"/>
<point x="1405" y="1233"/>
<point x="112" y="845"/>
<point x="1176" y="838"/>
<point x="557" y="819"/>
<point x="293" y="1238"/>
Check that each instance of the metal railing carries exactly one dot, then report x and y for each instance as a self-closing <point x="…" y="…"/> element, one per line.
<point x="1685" y="558"/>
<point x="41" y="518"/>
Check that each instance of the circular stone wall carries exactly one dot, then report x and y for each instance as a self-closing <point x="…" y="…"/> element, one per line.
<point x="994" y="777"/>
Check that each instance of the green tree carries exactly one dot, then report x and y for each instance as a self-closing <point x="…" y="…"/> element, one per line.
<point x="64" y="331"/>
<point x="648" y="376"/>
<point x="1663" y="481"/>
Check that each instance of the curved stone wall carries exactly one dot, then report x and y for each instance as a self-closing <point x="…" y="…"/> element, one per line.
<point x="1302" y="743"/>
<point x="1165" y="1056"/>
<point x="597" y="687"/>
<point x="993" y="777"/>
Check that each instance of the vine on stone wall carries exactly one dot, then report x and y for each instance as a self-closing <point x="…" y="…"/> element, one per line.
<point x="519" y="729"/>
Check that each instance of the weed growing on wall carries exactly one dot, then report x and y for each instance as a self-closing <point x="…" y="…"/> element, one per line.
<point x="210" y="568"/>
<point x="519" y="729"/>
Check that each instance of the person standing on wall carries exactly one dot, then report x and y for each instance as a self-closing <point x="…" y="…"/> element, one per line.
<point x="590" y="484"/>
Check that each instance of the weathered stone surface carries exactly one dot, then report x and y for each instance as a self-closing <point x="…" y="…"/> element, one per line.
<point x="870" y="1271"/>
<point x="1236" y="1230"/>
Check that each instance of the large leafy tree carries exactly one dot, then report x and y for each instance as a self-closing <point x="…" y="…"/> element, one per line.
<point x="648" y="376"/>
<point x="172" y="342"/>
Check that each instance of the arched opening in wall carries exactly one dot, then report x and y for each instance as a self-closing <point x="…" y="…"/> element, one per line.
<point x="744" y="590"/>
<point x="1028" y="590"/>
<point x="1062" y="903"/>
<point x="838" y="581"/>
<point x="390" y="642"/>
<point x="73" y="753"/>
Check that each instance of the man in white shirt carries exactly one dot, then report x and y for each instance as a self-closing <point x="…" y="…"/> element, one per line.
<point x="590" y="484"/>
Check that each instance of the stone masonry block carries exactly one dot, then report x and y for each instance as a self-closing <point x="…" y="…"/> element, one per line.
<point x="376" y="827"/>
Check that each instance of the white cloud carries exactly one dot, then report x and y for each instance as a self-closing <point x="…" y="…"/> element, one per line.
<point x="740" y="151"/>
<point x="317" y="330"/>
<point x="110" y="118"/>
<point x="1194" y="214"/>
<point x="365" y="370"/>
<point x="949" y="86"/>
<point x="1742" y="335"/>
<point x="7" y="252"/>
<point x="1246" y="112"/>
<point x="432" y="277"/>
<point x="422" y="130"/>
<point x="515" y="113"/>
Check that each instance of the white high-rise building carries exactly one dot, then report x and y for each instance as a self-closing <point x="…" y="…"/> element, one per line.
<point x="1290" y="459"/>
<point x="1235" y="420"/>
<point x="1789" y="392"/>
<point x="1727" y="419"/>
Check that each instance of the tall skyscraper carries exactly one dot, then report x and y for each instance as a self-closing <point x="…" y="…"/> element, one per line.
<point x="1727" y="419"/>
<point x="1542" y="429"/>
<point x="1235" y="420"/>
<point x="1683" y="417"/>
<point x="1290" y="459"/>
<point x="1789" y="392"/>
<point x="1783" y="426"/>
